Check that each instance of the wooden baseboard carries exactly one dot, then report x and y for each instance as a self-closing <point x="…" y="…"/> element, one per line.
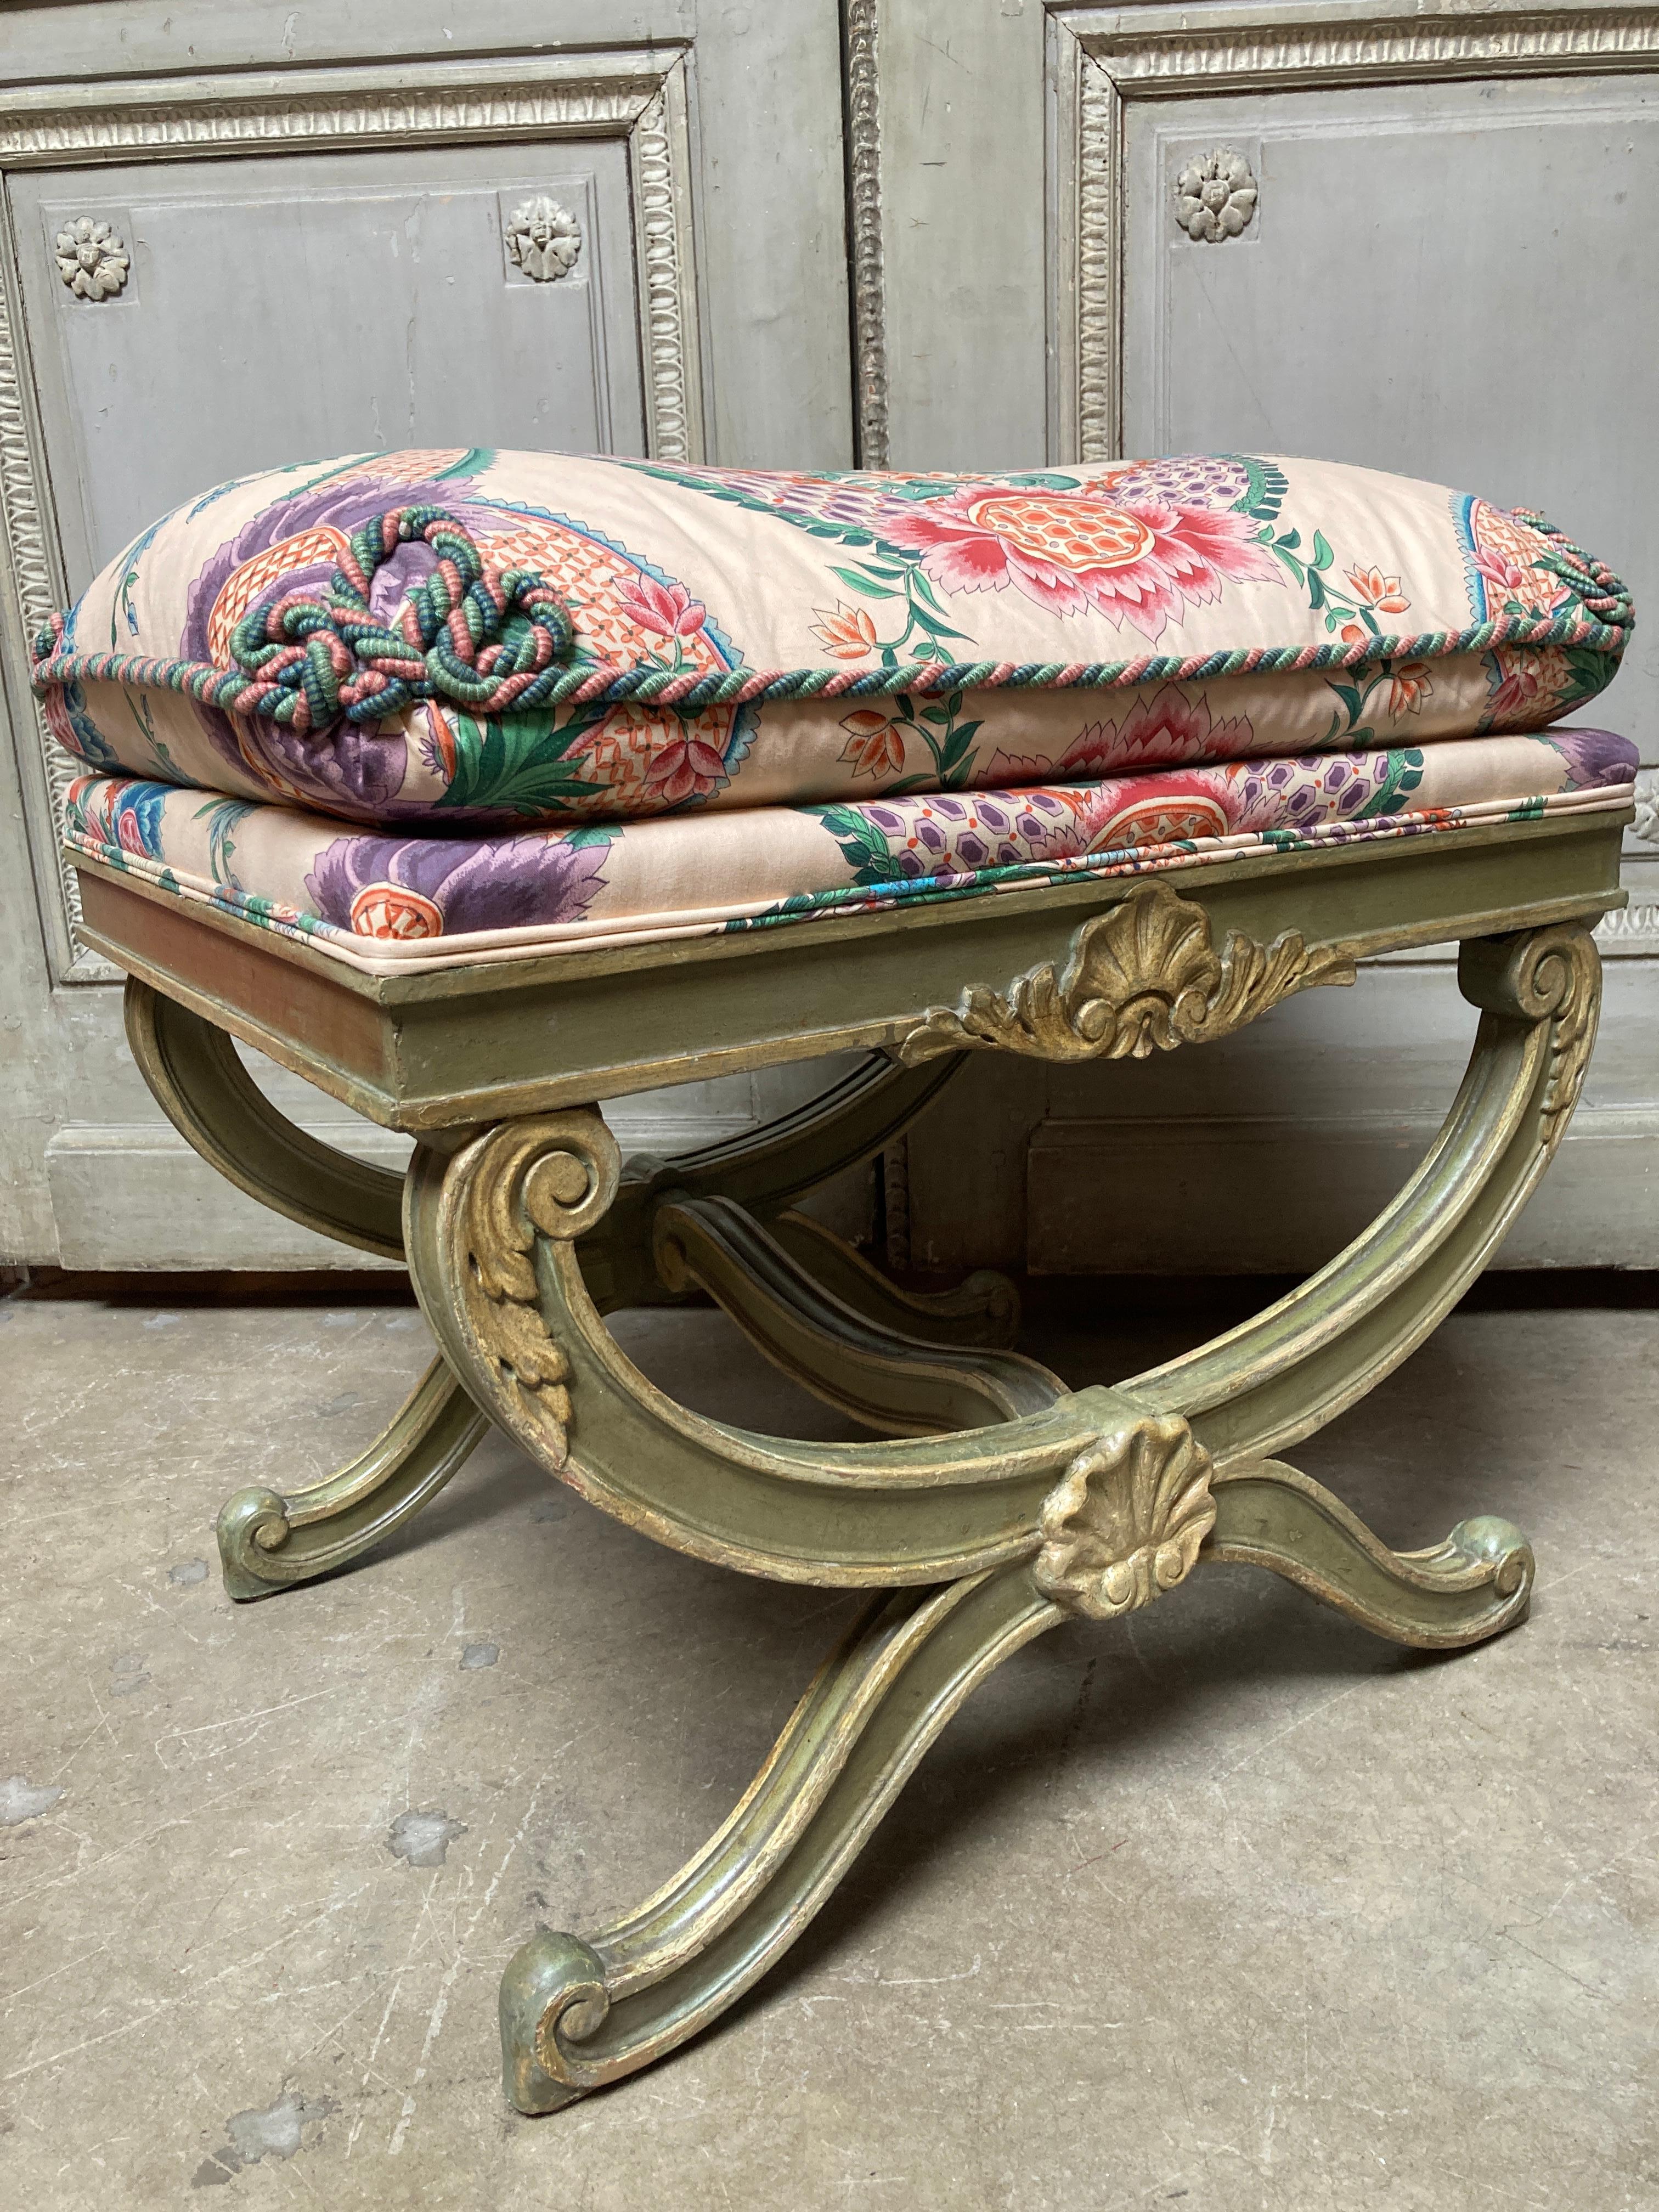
<point x="1269" y="1195"/>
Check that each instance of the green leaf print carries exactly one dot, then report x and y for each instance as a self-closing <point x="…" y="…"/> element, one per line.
<point x="862" y="845"/>
<point x="520" y="764"/>
<point x="1405" y="773"/>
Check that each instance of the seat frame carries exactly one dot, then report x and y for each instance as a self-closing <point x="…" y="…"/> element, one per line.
<point x="996" y="1502"/>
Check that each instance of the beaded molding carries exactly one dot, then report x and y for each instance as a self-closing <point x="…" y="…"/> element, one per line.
<point x="500" y="641"/>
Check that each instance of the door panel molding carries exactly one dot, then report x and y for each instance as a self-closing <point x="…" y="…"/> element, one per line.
<point x="643" y="99"/>
<point x="1100" y="60"/>
<point x="861" y="98"/>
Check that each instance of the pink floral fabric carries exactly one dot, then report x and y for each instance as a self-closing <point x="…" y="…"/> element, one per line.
<point x="387" y="900"/>
<point x="739" y="639"/>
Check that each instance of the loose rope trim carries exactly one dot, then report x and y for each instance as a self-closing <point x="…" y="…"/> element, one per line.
<point x="500" y="641"/>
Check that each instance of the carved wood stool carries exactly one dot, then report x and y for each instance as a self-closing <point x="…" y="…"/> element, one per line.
<point x="1002" y="1503"/>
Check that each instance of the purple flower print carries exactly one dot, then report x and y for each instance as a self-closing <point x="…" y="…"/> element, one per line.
<point x="418" y="887"/>
<point x="1593" y="758"/>
<point x="350" y="769"/>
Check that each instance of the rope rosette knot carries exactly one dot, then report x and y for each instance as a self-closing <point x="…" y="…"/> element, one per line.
<point x="492" y="641"/>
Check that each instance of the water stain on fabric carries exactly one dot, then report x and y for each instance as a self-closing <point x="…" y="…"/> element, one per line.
<point x="423" y="1839"/>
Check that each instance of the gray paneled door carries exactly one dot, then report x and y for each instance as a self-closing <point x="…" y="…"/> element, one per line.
<point x="1444" y="273"/>
<point x="316" y="208"/>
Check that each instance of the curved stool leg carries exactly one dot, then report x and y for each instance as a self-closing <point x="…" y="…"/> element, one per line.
<point x="199" y="1083"/>
<point x="980" y="1312"/>
<point x="268" y="1543"/>
<point x="1474" y="1585"/>
<point x="765" y="1170"/>
<point x="577" y="2013"/>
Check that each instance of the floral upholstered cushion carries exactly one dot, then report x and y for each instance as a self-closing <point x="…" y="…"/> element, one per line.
<point x="394" y="900"/>
<point x="469" y="639"/>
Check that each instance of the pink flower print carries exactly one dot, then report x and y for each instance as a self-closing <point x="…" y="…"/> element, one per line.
<point x="1509" y="582"/>
<point x="665" y="609"/>
<point x="1162" y="810"/>
<point x="1143" y="561"/>
<point x="688" y="768"/>
<point x="1156" y="732"/>
<point x="1532" y="683"/>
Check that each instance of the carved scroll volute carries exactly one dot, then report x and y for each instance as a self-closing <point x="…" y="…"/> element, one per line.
<point x="1144" y="977"/>
<point x="555" y="1173"/>
<point x="1126" y="1521"/>
<point x="1551" y="975"/>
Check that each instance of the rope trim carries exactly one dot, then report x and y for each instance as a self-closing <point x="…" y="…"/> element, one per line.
<point x="496" y="641"/>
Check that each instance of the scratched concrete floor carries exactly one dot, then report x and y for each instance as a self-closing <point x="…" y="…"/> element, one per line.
<point x="1234" y="1906"/>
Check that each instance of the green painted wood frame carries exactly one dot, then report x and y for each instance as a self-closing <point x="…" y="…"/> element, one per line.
<point x="993" y="1502"/>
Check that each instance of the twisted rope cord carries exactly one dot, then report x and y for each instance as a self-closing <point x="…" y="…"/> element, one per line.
<point x="494" y="642"/>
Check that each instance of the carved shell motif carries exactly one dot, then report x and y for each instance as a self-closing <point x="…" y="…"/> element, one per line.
<point x="1126" y="1524"/>
<point x="544" y="238"/>
<point x="1144" y="977"/>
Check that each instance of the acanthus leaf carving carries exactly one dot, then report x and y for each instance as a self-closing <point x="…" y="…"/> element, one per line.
<point x="1126" y="1521"/>
<point x="1551" y="975"/>
<point x="553" y="1174"/>
<point x="1144" y="977"/>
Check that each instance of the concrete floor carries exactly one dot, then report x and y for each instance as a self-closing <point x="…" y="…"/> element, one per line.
<point x="1229" y="1904"/>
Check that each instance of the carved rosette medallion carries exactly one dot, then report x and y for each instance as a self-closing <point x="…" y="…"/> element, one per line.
<point x="1215" y="197"/>
<point x="1144" y="977"/>
<point x="1126" y="1523"/>
<point x="544" y="239"/>
<point x="91" y="258"/>
<point x="552" y="1174"/>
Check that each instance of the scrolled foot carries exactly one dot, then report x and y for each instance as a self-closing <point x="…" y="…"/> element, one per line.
<point x="553" y="1995"/>
<point x="578" y="2014"/>
<point x="268" y="1543"/>
<point x="1474" y="1585"/>
<point x="252" y="1525"/>
<point x="1488" y="1545"/>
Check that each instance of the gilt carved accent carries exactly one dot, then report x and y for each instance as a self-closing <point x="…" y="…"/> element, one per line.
<point x="1551" y="975"/>
<point x="1126" y="1523"/>
<point x="555" y="1175"/>
<point x="1144" y="977"/>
